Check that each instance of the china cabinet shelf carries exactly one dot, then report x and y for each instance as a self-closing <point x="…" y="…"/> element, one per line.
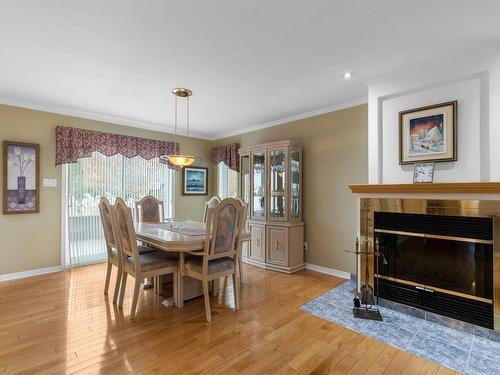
<point x="271" y="183"/>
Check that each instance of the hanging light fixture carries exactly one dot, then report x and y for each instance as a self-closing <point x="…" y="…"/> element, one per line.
<point x="181" y="160"/>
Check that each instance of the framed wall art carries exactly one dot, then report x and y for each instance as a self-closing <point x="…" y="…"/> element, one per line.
<point x="21" y="182"/>
<point x="194" y="181"/>
<point x="428" y="134"/>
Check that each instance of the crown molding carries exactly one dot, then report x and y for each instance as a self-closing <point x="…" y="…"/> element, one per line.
<point x="116" y="120"/>
<point x="88" y="115"/>
<point x="296" y="117"/>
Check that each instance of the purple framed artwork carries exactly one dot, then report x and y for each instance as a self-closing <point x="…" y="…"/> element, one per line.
<point x="21" y="182"/>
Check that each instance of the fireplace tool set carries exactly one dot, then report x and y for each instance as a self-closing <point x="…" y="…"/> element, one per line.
<point x="364" y="298"/>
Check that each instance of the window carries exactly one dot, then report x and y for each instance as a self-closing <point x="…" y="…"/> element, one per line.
<point x="227" y="181"/>
<point x="91" y="178"/>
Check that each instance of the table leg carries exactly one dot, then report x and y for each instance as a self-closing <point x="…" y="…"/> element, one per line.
<point x="180" y="290"/>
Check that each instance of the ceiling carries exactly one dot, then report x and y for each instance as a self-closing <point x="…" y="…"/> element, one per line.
<point x="248" y="63"/>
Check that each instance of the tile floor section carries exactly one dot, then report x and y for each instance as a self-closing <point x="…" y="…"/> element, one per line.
<point x="455" y="349"/>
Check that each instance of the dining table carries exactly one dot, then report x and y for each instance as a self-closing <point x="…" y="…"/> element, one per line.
<point x="176" y="236"/>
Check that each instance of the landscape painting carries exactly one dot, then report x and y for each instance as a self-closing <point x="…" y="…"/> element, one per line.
<point x="21" y="178"/>
<point x="194" y="181"/>
<point x="428" y="134"/>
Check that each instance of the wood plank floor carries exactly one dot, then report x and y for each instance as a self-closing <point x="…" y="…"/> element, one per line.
<point x="62" y="324"/>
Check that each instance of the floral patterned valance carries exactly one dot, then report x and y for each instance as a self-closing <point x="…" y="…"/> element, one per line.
<point x="227" y="154"/>
<point x="74" y="143"/>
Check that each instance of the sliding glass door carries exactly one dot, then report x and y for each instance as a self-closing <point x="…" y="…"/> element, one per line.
<point x="91" y="178"/>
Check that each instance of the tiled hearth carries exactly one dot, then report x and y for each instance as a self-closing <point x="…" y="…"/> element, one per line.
<point x="459" y="346"/>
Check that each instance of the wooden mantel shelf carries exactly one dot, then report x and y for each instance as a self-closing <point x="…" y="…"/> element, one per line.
<point x="434" y="188"/>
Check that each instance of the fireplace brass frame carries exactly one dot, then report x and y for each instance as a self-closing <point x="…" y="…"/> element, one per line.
<point x="461" y="207"/>
<point x="433" y="288"/>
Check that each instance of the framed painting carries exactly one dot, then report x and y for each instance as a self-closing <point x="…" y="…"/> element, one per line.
<point x="428" y="134"/>
<point x="21" y="182"/>
<point x="194" y="181"/>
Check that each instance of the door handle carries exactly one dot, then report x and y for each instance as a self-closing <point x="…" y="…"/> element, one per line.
<point x="424" y="289"/>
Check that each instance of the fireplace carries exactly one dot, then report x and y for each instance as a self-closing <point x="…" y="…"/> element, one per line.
<point x="442" y="246"/>
<point x="438" y="263"/>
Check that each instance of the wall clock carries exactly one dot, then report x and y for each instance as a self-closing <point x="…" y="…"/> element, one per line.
<point x="423" y="172"/>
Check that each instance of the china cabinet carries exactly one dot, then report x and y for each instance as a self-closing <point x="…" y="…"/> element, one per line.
<point x="271" y="183"/>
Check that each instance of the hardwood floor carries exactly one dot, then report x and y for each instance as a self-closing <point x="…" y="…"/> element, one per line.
<point x="62" y="324"/>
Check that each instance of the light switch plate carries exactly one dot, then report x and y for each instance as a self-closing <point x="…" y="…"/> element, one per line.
<point x="49" y="182"/>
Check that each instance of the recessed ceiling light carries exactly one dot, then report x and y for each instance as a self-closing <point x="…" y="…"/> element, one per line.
<point x="347" y="75"/>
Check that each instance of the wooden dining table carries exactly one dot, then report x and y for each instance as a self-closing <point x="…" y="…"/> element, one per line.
<point x="178" y="236"/>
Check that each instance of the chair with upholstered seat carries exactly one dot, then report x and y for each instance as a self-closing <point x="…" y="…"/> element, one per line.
<point x="212" y="202"/>
<point x="106" y="214"/>
<point x="107" y="217"/>
<point x="215" y="284"/>
<point x="240" y="245"/>
<point x="220" y="255"/>
<point x="150" y="210"/>
<point x="139" y="266"/>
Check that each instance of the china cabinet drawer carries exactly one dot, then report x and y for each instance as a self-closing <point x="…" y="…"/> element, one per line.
<point x="258" y="243"/>
<point x="277" y="246"/>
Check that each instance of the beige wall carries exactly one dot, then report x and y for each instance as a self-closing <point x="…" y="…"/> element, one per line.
<point x="335" y="149"/>
<point x="33" y="241"/>
<point x="335" y="155"/>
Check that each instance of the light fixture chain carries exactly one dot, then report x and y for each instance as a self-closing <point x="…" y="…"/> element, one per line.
<point x="175" y="115"/>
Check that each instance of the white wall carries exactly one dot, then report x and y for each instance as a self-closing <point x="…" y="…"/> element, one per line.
<point x="473" y="80"/>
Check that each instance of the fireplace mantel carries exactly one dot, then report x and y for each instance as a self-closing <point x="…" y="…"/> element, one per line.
<point x="423" y="188"/>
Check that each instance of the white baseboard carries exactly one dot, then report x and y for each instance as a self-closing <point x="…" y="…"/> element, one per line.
<point x="328" y="271"/>
<point x="22" y="274"/>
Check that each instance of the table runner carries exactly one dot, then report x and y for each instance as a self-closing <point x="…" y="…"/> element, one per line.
<point x="184" y="228"/>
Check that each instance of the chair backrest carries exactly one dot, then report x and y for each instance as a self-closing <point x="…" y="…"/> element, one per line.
<point x="149" y="210"/>
<point x="107" y="216"/>
<point x="125" y="232"/>
<point x="245" y="206"/>
<point x="224" y="225"/>
<point x="212" y="202"/>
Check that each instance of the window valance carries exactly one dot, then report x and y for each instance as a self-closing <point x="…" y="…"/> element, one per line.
<point x="74" y="143"/>
<point x="227" y="154"/>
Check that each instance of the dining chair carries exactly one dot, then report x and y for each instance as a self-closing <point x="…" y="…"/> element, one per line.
<point x="106" y="211"/>
<point x="240" y="244"/>
<point x="139" y="266"/>
<point x="215" y="284"/>
<point x="212" y="202"/>
<point x="107" y="215"/>
<point x="220" y="255"/>
<point x="149" y="210"/>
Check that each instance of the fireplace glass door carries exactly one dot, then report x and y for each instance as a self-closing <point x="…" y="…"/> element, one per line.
<point x="463" y="267"/>
<point x="459" y="266"/>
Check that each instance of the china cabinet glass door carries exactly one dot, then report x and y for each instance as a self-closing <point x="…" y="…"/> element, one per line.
<point x="258" y="184"/>
<point x="245" y="178"/>
<point x="295" y="166"/>
<point x="277" y="176"/>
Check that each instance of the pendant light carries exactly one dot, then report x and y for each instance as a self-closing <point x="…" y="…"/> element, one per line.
<point x="180" y="160"/>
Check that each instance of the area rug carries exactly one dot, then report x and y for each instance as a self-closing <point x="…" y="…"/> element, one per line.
<point x="467" y="352"/>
